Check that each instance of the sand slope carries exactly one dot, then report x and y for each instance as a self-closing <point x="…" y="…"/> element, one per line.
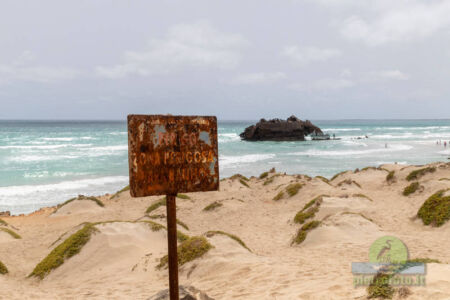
<point x="119" y="261"/>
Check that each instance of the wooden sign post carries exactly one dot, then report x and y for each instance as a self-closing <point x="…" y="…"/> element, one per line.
<point x="169" y="155"/>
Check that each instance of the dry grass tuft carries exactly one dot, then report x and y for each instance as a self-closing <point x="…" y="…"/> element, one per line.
<point x="232" y="236"/>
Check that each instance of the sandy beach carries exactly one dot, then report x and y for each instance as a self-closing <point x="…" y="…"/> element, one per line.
<point x="119" y="261"/>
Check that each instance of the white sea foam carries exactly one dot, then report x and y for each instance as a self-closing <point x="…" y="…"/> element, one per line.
<point x="118" y="133"/>
<point x="59" y="139"/>
<point x="76" y="185"/>
<point x="341" y="129"/>
<point x="249" y="158"/>
<point x="391" y="148"/>
<point x="379" y="163"/>
<point x="354" y="143"/>
<point x="445" y="152"/>
<point x="111" y="148"/>
<point x="32" y="158"/>
<point x="27" y="198"/>
<point x="412" y="128"/>
<point x="228" y="137"/>
<point x="44" y="146"/>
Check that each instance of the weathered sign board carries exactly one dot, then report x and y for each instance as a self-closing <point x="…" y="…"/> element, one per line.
<point x="169" y="155"/>
<point x="172" y="154"/>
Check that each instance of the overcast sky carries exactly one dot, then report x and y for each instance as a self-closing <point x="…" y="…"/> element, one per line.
<point x="317" y="59"/>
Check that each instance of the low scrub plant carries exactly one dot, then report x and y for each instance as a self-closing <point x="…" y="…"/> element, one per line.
<point x="435" y="211"/>
<point x="11" y="233"/>
<point x="323" y="179"/>
<point x="263" y="175"/>
<point x="279" y="196"/>
<point x="3" y="269"/>
<point x="239" y="176"/>
<point x="349" y="182"/>
<point x="81" y="198"/>
<point x="411" y="189"/>
<point x="415" y="175"/>
<point x="70" y="247"/>
<point x="293" y="189"/>
<point x="337" y="175"/>
<point x="390" y="176"/>
<point x="309" y="210"/>
<point x="244" y="183"/>
<point x="192" y="248"/>
<point x="380" y="287"/>
<point x="303" y="231"/>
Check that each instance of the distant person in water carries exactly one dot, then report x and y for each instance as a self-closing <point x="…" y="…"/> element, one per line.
<point x="445" y="144"/>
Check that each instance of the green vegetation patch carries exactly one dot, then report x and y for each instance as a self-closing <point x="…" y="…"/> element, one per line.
<point x="127" y="188"/>
<point x="81" y="197"/>
<point x="293" y="189"/>
<point x="192" y="248"/>
<point x="3" y="269"/>
<point x="279" y="196"/>
<point x="244" y="183"/>
<point x="368" y="168"/>
<point x="415" y="175"/>
<point x="390" y="176"/>
<point x="380" y="287"/>
<point x="3" y="223"/>
<point x="337" y="175"/>
<point x="70" y="247"/>
<point x="362" y="196"/>
<point x="302" y="233"/>
<point x="424" y="260"/>
<point x="232" y="236"/>
<point x="239" y="176"/>
<point x="411" y="189"/>
<point x="310" y="226"/>
<point x="11" y="233"/>
<point x="349" y="182"/>
<point x="323" y="179"/>
<point x="183" y="196"/>
<point x="156" y="205"/>
<point x="309" y="210"/>
<point x="153" y="225"/>
<point x="179" y="222"/>
<point x="212" y="206"/>
<point x="435" y="210"/>
<point x="182" y="224"/>
<point x="181" y="237"/>
<point x="269" y="180"/>
<point x="444" y="179"/>
<point x="263" y="175"/>
<point x="357" y="213"/>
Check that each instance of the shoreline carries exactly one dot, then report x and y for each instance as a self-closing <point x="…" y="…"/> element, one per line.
<point x="222" y="179"/>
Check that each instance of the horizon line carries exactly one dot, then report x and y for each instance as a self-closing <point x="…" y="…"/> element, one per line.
<point x="231" y="120"/>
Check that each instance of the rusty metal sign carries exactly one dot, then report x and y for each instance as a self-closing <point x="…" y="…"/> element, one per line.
<point x="172" y="154"/>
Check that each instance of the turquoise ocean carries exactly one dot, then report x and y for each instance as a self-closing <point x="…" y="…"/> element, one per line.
<point x="44" y="163"/>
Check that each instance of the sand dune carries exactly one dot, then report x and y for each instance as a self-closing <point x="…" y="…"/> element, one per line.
<point x="119" y="260"/>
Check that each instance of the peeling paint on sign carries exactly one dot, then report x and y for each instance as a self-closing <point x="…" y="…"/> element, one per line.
<point x="172" y="154"/>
